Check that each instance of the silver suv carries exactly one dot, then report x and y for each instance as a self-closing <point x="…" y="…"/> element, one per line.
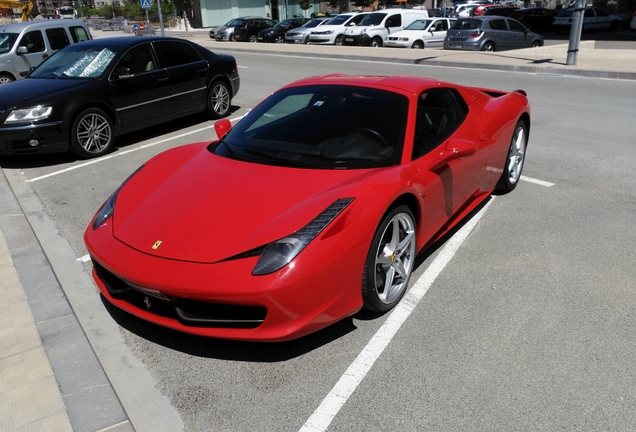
<point x="24" y="45"/>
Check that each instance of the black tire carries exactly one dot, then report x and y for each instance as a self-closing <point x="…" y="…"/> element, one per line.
<point x="92" y="134"/>
<point x="417" y="45"/>
<point x="219" y="100"/>
<point x="279" y="39"/>
<point x="488" y="47"/>
<point x="231" y="38"/>
<point x="338" y="40"/>
<point x="535" y="44"/>
<point x="379" y="266"/>
<point x="6" y="78"/>
<point x="514" y="159"/>
<point x="253" y="38"/>
<point x="376" y="42"/>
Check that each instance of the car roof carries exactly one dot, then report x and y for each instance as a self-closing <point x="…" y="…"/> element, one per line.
<point x="17" y="27"/>
<point x="127" y="41"/>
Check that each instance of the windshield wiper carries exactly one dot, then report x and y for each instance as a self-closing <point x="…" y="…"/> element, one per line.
<point x="281" y="159"/>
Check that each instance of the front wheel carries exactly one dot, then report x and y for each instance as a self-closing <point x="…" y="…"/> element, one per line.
<point x="6" y="79"/>
<point x="338" y="41"/>
<point x="488" y="47"/>
<point x="91" y="134"/>
<point x="535" y="44"/>
<point x="417" y="45"/>
<point x="253" y="38"/>
<point x="219" y="100"/>
<point x="514" y="161"/>
<point x="390" y="261"/>
<point x="376" y="42"/>
<point x="279" y="39"/>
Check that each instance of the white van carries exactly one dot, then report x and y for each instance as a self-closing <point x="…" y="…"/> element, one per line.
<point x="24" y="45"/>
<point x="333" y="32"/>
<point x="375" y="27"/>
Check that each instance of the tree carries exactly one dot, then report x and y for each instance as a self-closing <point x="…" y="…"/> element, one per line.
<point x="363" y="3"/>
<point x="304" y="4"/>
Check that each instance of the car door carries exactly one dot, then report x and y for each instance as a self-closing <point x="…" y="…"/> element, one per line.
<point x="500" y="33"/>
<point x="141" y="96"/>
<point x="603" y="19"/>
<point x="437" y="32"/>
<point x="441" y="112"/>
<point x="518" y="35"/>
<point x="30" y="50"/>
<point x="187" y="75"/>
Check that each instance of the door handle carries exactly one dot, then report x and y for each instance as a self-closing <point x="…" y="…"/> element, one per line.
<point x="163" y="79"/>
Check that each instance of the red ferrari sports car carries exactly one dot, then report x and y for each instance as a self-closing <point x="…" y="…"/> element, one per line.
<point x="310" y="208"/>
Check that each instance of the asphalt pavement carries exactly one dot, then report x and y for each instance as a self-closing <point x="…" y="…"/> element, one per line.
<point x="51" y="377"/>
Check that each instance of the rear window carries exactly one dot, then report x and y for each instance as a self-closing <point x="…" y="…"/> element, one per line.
<point x="57" y="37"/>
<point x="79" y="34"/>
<point x="467" y="24"/>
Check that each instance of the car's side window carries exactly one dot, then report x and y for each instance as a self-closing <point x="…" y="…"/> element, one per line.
<point x="440" y="111"/>
<point x="440" y="25"/>
<point x="498" y="24"/>
<point x="516" y="26"/>
<point x="138" y="59"/>
<point x="172" y="53"/>
<point x="589" y="13"/>
<point x="600" y="12"/>
<point x="79" y="34"/>
<point x="57" y="37"/>
<point x="394" y="21"/>
<point x="33" y="41"/>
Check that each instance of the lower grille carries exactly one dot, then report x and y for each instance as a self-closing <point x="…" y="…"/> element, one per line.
<point x="193" y="313"/>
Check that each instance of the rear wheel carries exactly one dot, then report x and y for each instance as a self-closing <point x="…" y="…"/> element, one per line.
<point x="515" y="159"/>
<point x="488" y="47"/>
<point x="219" y="100"/>
<point x="253" y="38"/>
<point x="92" y="134"/>
<point x="279" y="39"/>
<point x="417" y="45"/>
<point x="390" y="261"/>
<point x="535" y="44"/>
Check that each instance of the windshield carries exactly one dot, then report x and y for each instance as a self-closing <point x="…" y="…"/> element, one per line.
<point x="373" y="19"/>
<point x="284" y="24"/>
<point x="326" y="127"/>
<point x="235" y="22"/>
<point x="419" y="25"/>
<point x="76" y="62"/>
<point x="6" y="41"/>
<point x="314" y="23"/>
<point x="339" y="20"/>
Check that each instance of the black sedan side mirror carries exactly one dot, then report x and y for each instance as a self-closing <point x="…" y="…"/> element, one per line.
<point x="122" y="73"/>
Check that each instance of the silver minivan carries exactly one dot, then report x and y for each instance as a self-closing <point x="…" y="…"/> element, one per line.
<point x="24" y="45"/>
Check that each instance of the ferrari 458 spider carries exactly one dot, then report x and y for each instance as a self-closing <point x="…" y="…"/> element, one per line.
<point x="310" y="208"/>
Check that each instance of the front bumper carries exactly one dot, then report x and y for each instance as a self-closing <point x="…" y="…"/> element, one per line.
<point x="357" y="40"/>
<point x="42" y="138"/>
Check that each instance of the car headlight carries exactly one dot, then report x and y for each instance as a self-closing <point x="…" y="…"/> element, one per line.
<point x="278" y="254"/>
<point x="327" y="32"/>
<point x="27" y="115"/>
<point x="108" y="209"/>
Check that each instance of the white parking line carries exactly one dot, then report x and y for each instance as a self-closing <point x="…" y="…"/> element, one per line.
<point x="344" y="388"/>
<point x="125" y="152"/>
<point x="536" y="181"/>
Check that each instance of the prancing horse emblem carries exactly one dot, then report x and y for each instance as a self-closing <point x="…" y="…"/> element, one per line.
<point x="156" y="245"/>
<point x="147" y="302"/>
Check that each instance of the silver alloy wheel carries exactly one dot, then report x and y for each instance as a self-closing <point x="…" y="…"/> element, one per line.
<point x="94" y="133"/>
<point x="279" y="39"/>
<point x="395" y="258"/>
<point x="220" y="99"/>
<point x="516" y="154"/>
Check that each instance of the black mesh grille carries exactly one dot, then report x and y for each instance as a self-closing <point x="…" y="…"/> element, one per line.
<point x="193" y="313"/>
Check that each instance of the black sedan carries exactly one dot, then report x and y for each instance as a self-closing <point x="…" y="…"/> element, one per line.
<point x="86" y="94"/>
<point x="535" y="19"/>
<point x="277" y="33"/>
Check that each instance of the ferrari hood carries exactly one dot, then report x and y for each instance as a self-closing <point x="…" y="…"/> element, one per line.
<point x="191" y="205"/>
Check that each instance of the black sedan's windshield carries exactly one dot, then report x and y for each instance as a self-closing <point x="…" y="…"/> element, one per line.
<point x="76" y="61"/>
<point x="326" y="126"/>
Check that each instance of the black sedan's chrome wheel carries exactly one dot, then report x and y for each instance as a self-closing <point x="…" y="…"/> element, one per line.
<point x="390" y="261"/>
<point x="219" y="100"/>
<point x="516" y="156"/>
<point x="91" y="134"/>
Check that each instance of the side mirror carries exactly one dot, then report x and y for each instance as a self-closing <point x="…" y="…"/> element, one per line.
<point x="222" y="127"/>
<point x="454" y="150"/>
<point x="122" y="72"/>
<point x="22" y="50"/>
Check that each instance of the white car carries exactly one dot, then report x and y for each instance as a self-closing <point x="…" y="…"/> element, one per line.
<point x="593" y="19"/>
<point x="424" y="33"/>
<point x="332" y="33"/>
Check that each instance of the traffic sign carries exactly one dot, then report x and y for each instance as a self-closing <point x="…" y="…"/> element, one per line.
<point x="142" y="26"/>
<point x="145" y="4"/>
<point x="136" y="27"/>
